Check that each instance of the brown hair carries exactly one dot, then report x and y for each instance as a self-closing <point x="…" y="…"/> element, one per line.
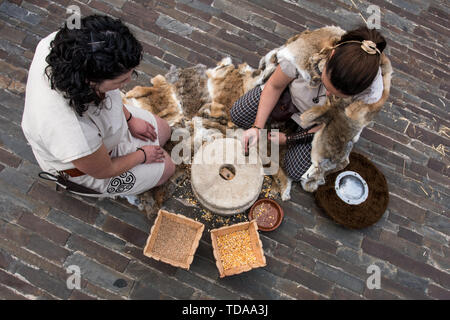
<point x="352" y="70"/>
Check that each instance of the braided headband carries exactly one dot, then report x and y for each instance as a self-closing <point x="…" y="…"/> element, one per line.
<point x="367" y="45"/>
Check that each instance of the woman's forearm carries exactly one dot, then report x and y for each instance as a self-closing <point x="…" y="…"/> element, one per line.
<point x="119" y="165"/>
<point x="267" y="102"/>
<point x="124" y="163"/>
<point x="270" y="95"/>
<point x="100" y="166"/>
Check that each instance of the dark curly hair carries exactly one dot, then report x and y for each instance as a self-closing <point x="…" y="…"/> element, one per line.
<point x="351" y="70"/>
<point x="102" y="49"/>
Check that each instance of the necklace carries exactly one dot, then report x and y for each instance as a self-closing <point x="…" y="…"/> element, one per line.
<point x="316" y="99"/>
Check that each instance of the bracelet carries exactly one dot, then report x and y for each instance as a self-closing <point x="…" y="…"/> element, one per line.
<point x="129" y="117"/>
<point x="254" y="126"/>
<point x="300" y="137"/>
<point x="145" y="156"/>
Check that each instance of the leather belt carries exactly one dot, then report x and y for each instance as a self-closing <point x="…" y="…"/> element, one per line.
<point x="74" y="172"/>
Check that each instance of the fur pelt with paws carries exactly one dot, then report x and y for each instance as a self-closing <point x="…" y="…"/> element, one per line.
<point x="199" y="100"/>
<point x="343" y="124"/>
<point x="343" y="119"/>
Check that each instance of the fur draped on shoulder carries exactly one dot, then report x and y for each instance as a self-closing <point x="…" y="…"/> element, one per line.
<point x="307" y="51"/>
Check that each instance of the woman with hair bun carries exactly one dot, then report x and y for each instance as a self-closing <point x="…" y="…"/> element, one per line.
<point x="74" y="118"/>
<point x="311" y="66"/>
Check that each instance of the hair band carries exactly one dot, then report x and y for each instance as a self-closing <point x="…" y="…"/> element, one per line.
<point x="367" y="45"/>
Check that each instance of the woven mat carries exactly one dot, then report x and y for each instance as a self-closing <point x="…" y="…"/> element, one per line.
<point x="364" y="214"/>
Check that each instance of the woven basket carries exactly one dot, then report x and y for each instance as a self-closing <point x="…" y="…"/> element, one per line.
<point x="255" y="241"/>
<point x="172" y="247"/>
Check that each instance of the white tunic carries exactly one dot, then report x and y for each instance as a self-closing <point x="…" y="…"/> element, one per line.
<point x="302" y="93"/>
<point x="58" y="135"/>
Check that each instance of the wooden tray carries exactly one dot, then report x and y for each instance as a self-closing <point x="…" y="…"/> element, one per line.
<point x="256" y="247"/>
<point x="173" y="239"/>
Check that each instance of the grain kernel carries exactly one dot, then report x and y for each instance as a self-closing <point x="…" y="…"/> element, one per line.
<point x="235" y="249"/>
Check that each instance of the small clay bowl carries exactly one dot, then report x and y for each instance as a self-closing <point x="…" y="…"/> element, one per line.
<point x="268" y="214"/>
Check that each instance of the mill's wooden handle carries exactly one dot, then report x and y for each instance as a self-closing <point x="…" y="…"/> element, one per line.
<point x="226" y="173"/>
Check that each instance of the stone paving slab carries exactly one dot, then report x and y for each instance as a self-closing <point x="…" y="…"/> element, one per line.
<point x="42" y="231"/>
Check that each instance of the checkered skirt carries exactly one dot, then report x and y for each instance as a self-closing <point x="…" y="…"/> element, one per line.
<point x="297" y="159"/>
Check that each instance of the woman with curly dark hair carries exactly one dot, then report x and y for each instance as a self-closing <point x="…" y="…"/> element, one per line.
<point x="74" y="118"/>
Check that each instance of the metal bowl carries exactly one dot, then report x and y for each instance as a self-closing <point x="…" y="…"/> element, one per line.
<point x="351" y="188"/>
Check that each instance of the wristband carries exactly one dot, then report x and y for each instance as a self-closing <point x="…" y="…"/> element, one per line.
<point x="145" y="156"/>
<point x="130" y="118"/>
<point x="300" y="137"/>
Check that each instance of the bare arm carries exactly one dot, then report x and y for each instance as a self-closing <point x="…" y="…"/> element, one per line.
<point x="272" y="91"/>
<point x="100" y="165"/>
<point x="126" y="112"/>
<point x="270" y="95"/>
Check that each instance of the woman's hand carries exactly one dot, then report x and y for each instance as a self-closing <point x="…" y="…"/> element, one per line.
<point x="142" y="129"/>
<point x="250" y="138"/>
<point x="153" y="154"/>
<point x="277" y="137"/>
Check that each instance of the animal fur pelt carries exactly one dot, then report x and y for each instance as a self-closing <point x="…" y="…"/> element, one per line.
<point x="344" y="122"/>
<point x="199" y="100"/>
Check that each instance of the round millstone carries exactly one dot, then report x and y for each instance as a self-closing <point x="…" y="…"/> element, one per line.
<point x="223" y="179"/>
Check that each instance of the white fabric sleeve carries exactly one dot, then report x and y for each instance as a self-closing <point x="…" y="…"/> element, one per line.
<point x="68" y="139"/>
<point x="288" y="68"/>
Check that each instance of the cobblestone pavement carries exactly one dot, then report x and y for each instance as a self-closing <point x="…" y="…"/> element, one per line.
<point x="42" y="232"/>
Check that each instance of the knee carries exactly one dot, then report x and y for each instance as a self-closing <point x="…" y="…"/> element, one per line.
<point x="292" y="170"/>
<point x="169" y="165"/>
<point x="169" y="169"/>
<point x="291" y="173"/>
<point x="233" y="115"/>
<point x="164" y="131"/>
<point x="237" y="117"/>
